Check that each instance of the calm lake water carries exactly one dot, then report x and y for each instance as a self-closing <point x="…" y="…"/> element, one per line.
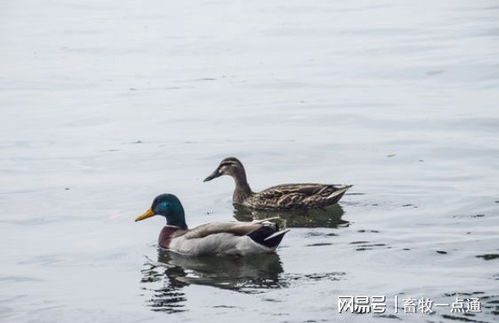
<point x="105" y="104"/>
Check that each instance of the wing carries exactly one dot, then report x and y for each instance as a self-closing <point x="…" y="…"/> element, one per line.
<point x="229" y="238"/>
<point x="288" y="196"/>
<point x="234" y="228"/>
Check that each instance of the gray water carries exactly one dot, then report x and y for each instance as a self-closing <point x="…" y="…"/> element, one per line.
<point x="105" y="104"/>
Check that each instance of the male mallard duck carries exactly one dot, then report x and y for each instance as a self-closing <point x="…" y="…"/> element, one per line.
<point x="217" y="238"/>
<point x="280" y="197"/>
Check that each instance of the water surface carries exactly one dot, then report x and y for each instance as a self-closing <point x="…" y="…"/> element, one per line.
<point x="107" y="104"/>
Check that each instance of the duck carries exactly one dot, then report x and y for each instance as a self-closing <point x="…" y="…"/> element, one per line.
<point x="211" y="239"/>
<point x="280" y="197"/>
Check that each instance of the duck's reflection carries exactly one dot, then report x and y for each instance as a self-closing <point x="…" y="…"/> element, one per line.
<point x="329" y="217"/>
<point x="166" y="278"/>
<point x="165" y="290"/>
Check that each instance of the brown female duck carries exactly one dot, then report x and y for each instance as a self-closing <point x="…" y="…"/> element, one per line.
<point x="280" y="197"/>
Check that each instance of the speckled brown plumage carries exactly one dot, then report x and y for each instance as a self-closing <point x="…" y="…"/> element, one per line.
<point x="280" y="197"/>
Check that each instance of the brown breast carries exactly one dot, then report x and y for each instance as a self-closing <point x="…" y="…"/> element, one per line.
<point x="166" y="235"/>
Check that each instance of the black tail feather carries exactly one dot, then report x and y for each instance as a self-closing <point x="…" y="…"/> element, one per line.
<point x="267" y="236"/>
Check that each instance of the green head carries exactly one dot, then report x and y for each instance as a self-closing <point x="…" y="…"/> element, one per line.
<point x="169" y="206"/>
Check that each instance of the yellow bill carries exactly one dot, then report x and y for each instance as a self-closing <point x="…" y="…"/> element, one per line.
<point x="144" y="216"/>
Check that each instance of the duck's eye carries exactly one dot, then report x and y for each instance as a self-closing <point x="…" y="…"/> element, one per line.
<point x="226" y="165"/>
<point x="163" y="207"/>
